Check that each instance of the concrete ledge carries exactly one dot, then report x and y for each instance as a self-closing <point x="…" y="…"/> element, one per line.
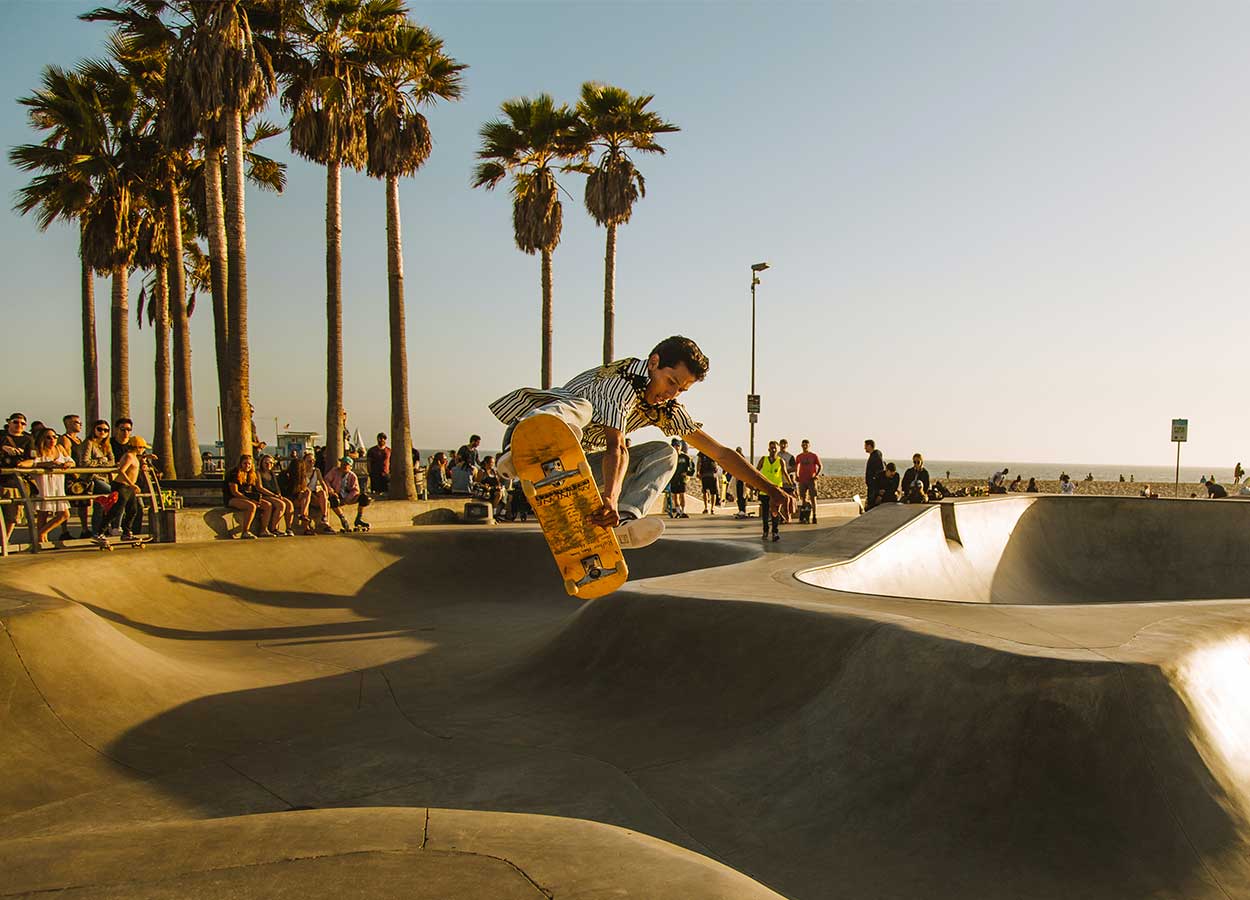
<point x="221" y="523"/>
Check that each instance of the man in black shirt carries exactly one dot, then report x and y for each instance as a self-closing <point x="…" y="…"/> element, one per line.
<point x="468" y="454"/>
<point x="15" y="446"/>
<point x="119" y="440"/>
<point x="872" y="472"/>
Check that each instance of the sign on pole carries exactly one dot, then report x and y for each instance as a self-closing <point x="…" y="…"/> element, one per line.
<point x="1180" y="434"/>
<point x="753" y="403"/>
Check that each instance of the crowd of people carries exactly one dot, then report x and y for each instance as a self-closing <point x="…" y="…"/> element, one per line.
<point x="795" y="475"/>
<point x="283" y="497"/>
<point x="272" y="497"/>
<point x="103" y="500"/>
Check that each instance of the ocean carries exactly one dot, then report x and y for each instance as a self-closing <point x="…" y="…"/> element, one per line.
<point x="963" y="468"/>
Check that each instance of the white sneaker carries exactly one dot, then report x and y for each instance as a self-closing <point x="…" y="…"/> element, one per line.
<point x="638" y="533"/>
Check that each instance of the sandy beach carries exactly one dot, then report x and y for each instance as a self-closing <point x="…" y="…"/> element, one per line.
<point x="836" y="487"/>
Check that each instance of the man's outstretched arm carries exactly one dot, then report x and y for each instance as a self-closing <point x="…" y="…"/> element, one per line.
<point x="615" y="462"/>
<point x="737" y="466"/>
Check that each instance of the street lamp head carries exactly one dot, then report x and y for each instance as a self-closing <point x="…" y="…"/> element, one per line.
<point x="759" y="267"/>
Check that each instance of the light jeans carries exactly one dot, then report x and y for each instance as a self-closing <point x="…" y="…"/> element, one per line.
<point x="651" y="465"/>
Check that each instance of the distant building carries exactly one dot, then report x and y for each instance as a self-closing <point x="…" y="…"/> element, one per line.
<point x="294" y="443"/>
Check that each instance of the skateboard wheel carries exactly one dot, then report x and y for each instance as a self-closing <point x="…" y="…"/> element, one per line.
<point x="530" y="494"/>
<point x="584" y="468"/>
<point x="570" y="586"/>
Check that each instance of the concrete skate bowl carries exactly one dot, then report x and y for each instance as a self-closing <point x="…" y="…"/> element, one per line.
<point x="143" y="693"/>
<point x="1057" y="550"/>
<point x="428" y="714"/>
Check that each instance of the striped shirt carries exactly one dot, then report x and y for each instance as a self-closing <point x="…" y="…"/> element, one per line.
<point x="617" y="395"/>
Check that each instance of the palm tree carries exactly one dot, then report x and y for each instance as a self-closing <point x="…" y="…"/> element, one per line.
<point x="110" y="221"/>
<point x="143" y="45"/>
<point x="528" y="142"/>
<point x="226" y="75"/>
<point x="152" y="254"/>
<point x="331" y="40"/>
<point x="615" y="122"/>
<point x="64" y="107"/>
<point x="206" y="200"/>
<point x="408" y="70"/>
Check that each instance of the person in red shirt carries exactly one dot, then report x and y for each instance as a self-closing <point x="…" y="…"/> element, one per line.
<point x="809" y="467"/>
<point x="379" y="460"/>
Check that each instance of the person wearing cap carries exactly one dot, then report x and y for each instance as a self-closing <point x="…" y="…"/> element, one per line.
<point x="317" y="489"/>
<point x="344" y="490"/>
<point x="677" y="483"/>
<point x="16" y="445"/>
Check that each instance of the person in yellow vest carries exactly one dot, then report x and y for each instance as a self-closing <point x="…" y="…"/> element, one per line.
<point x="774" y="469"/>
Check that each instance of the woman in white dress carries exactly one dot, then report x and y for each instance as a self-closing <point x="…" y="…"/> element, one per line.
<point x="49" y="456"/>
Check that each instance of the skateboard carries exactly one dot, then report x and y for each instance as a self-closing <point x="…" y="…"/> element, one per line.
<point x="561" y="490"/>
<point x="136" y="543"/>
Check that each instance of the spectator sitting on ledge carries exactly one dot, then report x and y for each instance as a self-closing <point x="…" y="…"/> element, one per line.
<point x="344" y="490"/>
<point x="489" y="478"/>
<point x="436" y="480"/>
<point x="463" y="474"/>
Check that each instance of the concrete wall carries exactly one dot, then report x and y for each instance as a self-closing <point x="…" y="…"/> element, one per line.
<point x="195" y="524"/>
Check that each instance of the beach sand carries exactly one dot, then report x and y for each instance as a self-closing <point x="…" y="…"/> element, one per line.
<point x="837" y="487"/>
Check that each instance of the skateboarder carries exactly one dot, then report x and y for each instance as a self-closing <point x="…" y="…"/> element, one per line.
<point x="604" y="404"/>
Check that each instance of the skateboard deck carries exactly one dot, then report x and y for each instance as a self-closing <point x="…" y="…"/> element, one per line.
<point x="561" y="490"/>
<point x="138" y="542"/>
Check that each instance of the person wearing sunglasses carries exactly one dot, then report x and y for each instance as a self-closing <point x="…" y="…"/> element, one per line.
<point x="96" y="452"/>
<point x="16" y="446"/>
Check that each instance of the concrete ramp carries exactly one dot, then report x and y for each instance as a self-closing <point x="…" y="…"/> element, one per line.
<point x="427" y="713"/>
<point x="1057" y="550"/>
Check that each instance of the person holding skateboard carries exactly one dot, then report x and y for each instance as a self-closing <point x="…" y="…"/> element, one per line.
<point x="603" y="405"/>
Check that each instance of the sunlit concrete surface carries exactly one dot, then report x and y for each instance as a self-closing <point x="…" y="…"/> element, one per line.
<point x="423" y="712"/>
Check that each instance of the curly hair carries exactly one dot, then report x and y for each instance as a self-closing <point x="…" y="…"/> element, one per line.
<point x="678" y="349"/>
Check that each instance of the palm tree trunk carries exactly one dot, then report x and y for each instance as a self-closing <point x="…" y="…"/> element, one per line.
<point x="609" y="296"/>
<point x="162" y="439"/>
<point x="402" y="486"/>
<point x="334" y="312"/>
<point x="119" y="346"/>
<point x="238" y="402"/>
<point x="90" y="362"/>
<point x="186" y="450"/>
<point x="546" y="336"/>
<point x="217" y="254"/>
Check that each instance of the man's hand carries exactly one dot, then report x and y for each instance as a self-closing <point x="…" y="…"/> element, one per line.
<point x="607" y="515"/>
<point x="782" y="503"/>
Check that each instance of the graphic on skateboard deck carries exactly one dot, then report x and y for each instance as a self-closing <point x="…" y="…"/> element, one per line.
<point x="561" y="490"/>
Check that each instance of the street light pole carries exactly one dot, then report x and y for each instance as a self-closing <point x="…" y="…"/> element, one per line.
<point x="751" y="416"/>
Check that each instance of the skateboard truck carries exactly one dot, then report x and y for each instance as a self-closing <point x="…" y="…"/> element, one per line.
<point x="555" y="472"/>
<point x="594" y="570"/>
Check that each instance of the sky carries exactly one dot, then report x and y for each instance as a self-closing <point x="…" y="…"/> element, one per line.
<point x="1010" y="230"/>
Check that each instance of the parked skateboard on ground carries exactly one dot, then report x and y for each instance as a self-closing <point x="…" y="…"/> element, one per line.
<point x="560" y="488"/>
<point x="138" y="542"/>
